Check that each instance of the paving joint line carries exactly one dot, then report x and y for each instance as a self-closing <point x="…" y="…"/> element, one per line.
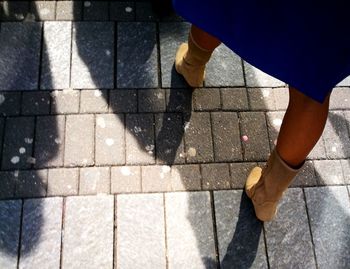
<point x="216" y="240"/>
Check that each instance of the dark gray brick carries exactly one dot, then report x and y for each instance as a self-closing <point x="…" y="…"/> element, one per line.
<point x="144" y="12"/>
<point x="261" y="99"/>
<point x="93" y="101"/>
<point x="35" y="103"/>
<point x="43" y="10"/>
<point x="329" y="172"/>
<point x="288" y="237"/>
<point x="18" y="140"/>
<point x="226" y="136"/>
<point x="186" y="177"/>
<point x="94" y="180"/>
<point x="206" y="99"/>
<point x="240" y="234"/>
<point x="64" y="102"/>
<point x="151" y="100"/>
<point x="123" y="101"/>
<point x="10" y="225"/>
<point x="346" y="170"/>
<point x="224" y="69"/>
<point x="281" y="98"/>
<point x="31" y="183"/>
<point x="198" y="138"/>
<point x="336" y="136"/>
<point x="125" y="179"/>
<point x="253" y="125"/>
<point x="14" y="10"/>
<point x="56" y="56"/>
<point x="109" y="140"/>
<point x="122" y="11"/>
<point x="8" y="182"/>
<point x="140" y="148"/>
<point x="329" y="211"/>
<point x="169" y="138"/>
<point x="93" y="55"/>
<point x="49" y="141"/>
<point x="63" y="181"/>
<point x="156" y="178"/>
<point x="234" y="99"/>
<point x="68" y="10"/>
<point x="306" y="176"/>
<point x="96" y="10"/>
<point x="340" y="98"/>
<point x="79" y="140"/>
<point x="216" y="176"/>
<point x="239" y="173"/>
<point x="178" y="100"/>
<point x="10" y="103"/>
<point x="20" y="55"/>
<point x="171" y="36"/>
<point x="137" y="41"/>
<point x="274" y="122"/>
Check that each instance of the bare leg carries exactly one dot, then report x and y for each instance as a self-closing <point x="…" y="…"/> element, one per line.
<point x="302" y="127"/>
<point x="203" y="39"/>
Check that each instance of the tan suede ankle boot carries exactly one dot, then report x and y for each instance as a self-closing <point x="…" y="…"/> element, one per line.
<point x="266" y="186"/>
<point x="190" y="61"/>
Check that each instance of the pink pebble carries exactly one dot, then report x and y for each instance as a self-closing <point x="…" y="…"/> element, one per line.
<point x="245" y="138"/>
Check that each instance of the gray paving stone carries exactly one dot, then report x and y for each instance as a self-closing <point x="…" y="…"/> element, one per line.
<point x="171" y="36"/>
<point x="224" y="69"/>
<point x="93" y="55"/>
<point x="288" y="238"/>
<point x="68" y="10"/>
<point x="347" y="119"/>
<point x="198" y="138"/>
<point x="20" y="55"/>
<point x="234" y="99"/>
<point x="189" y="225"/>
<point x="43" y="10"/>
<point x="240" y="234"/>
<point x="79" y="140"/>
<point x="41" y="233"/>
<point x="239" y="173"/>
<point x="140" y="233"/>
<point x="10" y="222"/>
<point x="226" y="136"/>
<point x="257" y="78"/>
<point x="178" y="100"/>
<point x="10" y="103"/>
<point x="63" y="181"/>
<point x="122" y="11"/>
<point x="109" y="140"/>
<point x="96" y="10"/>
<point x="123" y="101"/>
<point x="2" y="127"/>
<point x="94" y="180"/>
<point x="281" y="98"/>
<point x="7" y="184"/>
<point x="49" y="141"/>
<point x="156" y="178"/>
<point x="206" y="99"/>
<point x="151" y="100"/>
<point x="329" y="172"/>
<point x="345" y="82"/>
<point x="306" y="176"/>
<point x="91" y="247"/>
<point x="319" y="151"/>
<point x="274" y="122"/>
<point x="216" y="176"/>
<point x="93" y="101"/>
<point x="56" y="57"/>
<point x="18" y="139"/>
<point x="14" y="10"/>
<point x="336" y="136"/>
<point x="144" y="12"/>
<point x="125" y="179"/>
<point x="35" y="103"/>
<point x="31" y="183"/>
<point x="261" y="99"/>
<point x="253" y="125"/>
<point x="139" y="139"/>
<point x="137" y="41"/>
<point x="186" y="177"/>
<point x="329" y="211"/>
<point x="346" y="170"/>
<point x="169" y="138"/>
<point x="64" y="102"/>
<point x="340" y="98"/>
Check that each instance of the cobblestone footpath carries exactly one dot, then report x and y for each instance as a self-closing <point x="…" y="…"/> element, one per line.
<point x="109" y="160"/>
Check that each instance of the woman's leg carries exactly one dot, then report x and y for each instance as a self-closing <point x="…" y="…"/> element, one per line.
<point x="301" y="128"/>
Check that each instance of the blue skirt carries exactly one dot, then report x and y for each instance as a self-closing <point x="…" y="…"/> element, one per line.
<point x="304" y="44"/>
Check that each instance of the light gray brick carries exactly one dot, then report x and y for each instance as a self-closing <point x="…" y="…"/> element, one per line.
<point x="234" y="99"/>
<point x="91" y="247"/>
<point x="64" y="102"/>
<point x="261" y="99"/>
<point x="94" y="180"/>
<point x="8" y="182"/>
<point x="35" y="103"/>
<point x="239" y="173"/>
<point x="156" y="178"/>
<point x="10" y="103"/>
<point x="93" y="101"/>
<point x="346" y="170"/>
<point x="151" y="100"/>
<point x="125" y="179"/>
<point x="206" y="99"/>
<point x="216" y="176"/>
<point x="63" y="181"/>
<point x="281" y="98"/>
<point x="110" y="140"/>
<point x="329" y="172"/>
<point x="178" y="100"/>
<point x="68" y="10"/>
<point x="186" y="177"/>
<point x="43" y="10"/>
<point x="340" y="98"/>
<point x="123" y="101"/>
<point x="79" y="141"/>
<point x="257" y="78"/>
<point x="345" y="82"/>
<point x="189" y="225"/>
<point x="274" y="122"/>
<point x="41" y="233"/>
<point x="140" y="235"/>
<point x="31" y="183"/>
<point x="56" y="57"/>
<point x="306" y="176"/>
